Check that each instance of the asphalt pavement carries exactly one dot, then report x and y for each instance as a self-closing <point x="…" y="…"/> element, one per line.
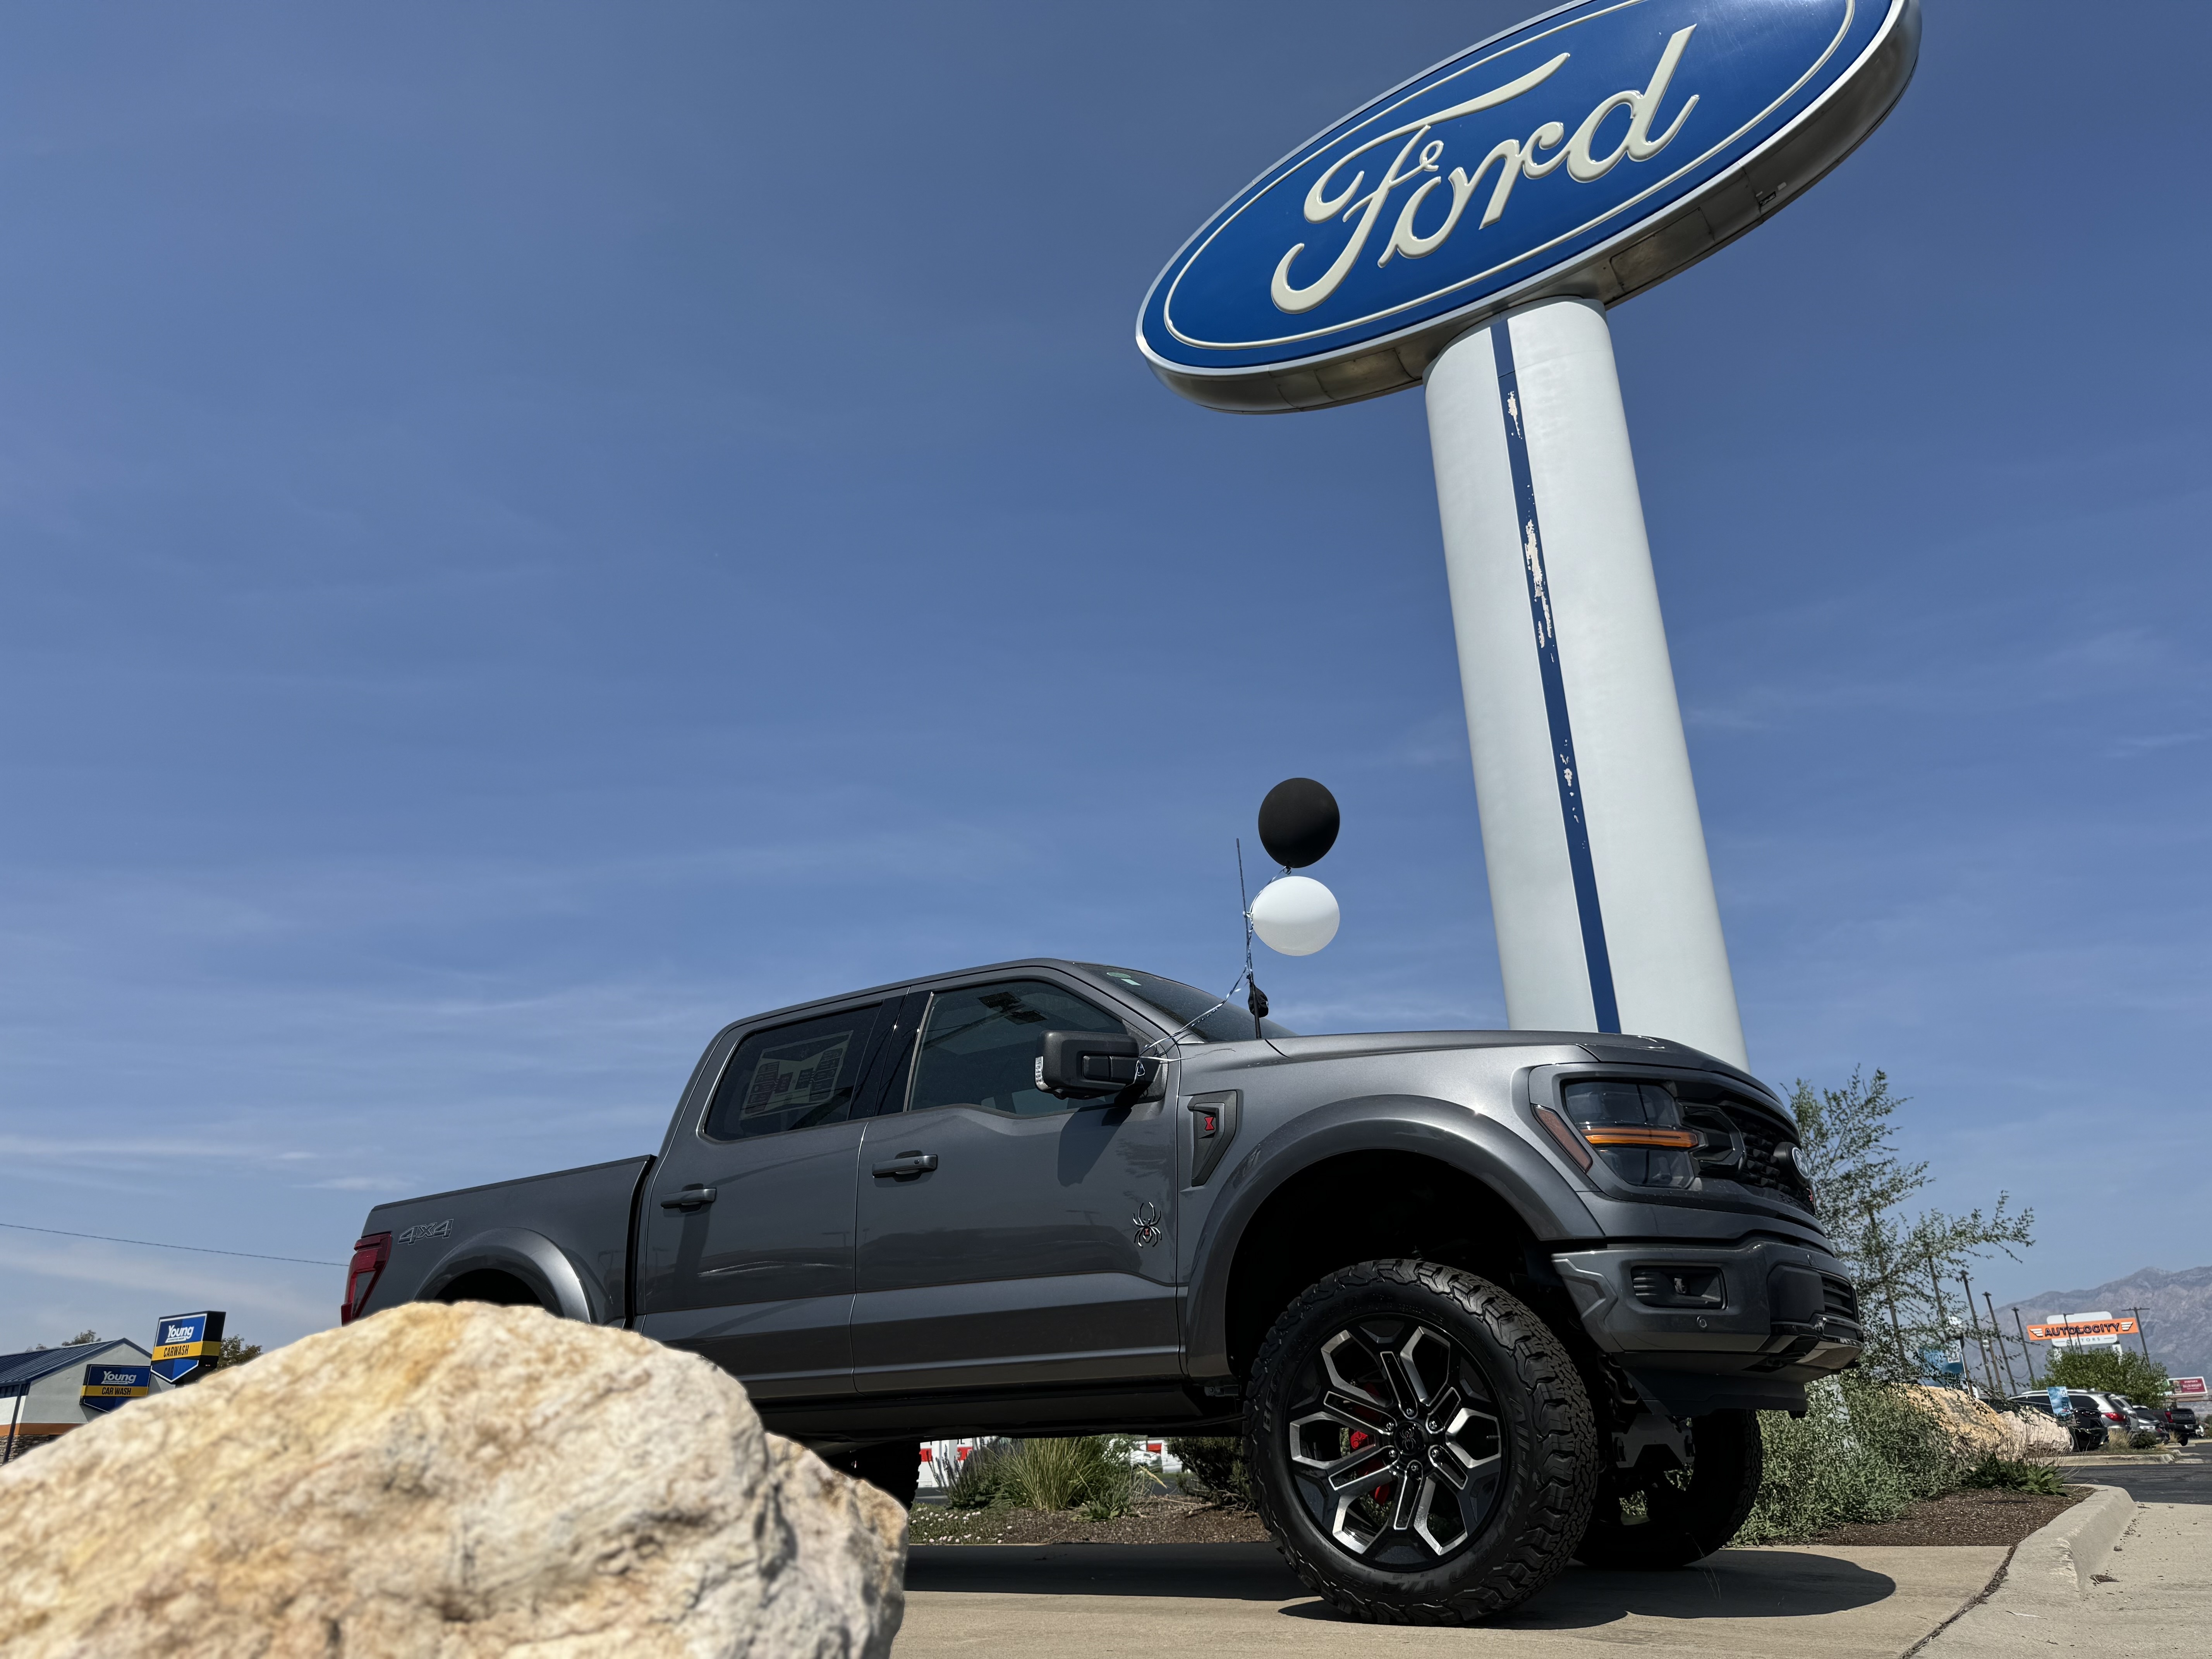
<point x="2186" y="1480"/>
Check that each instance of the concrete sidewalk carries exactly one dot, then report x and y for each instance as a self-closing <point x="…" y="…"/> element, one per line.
<point x="2111" y="1578"/>
<point x="1230" y="1600"/>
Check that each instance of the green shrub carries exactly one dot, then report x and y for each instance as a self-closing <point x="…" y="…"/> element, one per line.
<point x="1093" y="1470"/>
<point x="2142" y="1439"/>
<point x="1109" y="1485"/>
<point x="982" y="1479"/>
<point x="1045" y="1475"/>
<point x="1214" y="1468"/>
<point x="1863" y="1451"/>
<point x="1995" y="1473"/>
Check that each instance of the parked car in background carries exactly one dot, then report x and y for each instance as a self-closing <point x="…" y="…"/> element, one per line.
<point x="2112" y="1411"/>
<point x="2184" y="1419"/>
<point x="2090" y="1434"/>
<point x="2083" y="1419"/>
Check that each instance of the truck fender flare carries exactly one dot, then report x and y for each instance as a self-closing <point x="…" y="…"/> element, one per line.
<point x="1467" y="1140"/>
<point x="534" y="1259"/>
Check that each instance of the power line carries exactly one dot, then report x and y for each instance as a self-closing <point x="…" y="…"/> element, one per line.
<point x="155" y="1244"/>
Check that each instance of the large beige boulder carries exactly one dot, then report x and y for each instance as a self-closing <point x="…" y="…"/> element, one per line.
<point x="1976" y="1431"/>
<point x="449" y="1481"/>
<point x="2032" y="1436"/>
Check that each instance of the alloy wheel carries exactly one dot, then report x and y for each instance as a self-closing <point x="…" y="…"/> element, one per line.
<point x="1395" y="1445"/>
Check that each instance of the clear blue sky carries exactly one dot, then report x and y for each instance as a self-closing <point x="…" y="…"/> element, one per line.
<point x="532" y="531"/>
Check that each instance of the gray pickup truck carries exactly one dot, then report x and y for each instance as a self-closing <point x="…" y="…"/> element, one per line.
<point x="1477" y="1301"/>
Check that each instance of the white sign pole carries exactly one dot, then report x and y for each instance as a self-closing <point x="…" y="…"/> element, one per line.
<point x="1598" y="881"/>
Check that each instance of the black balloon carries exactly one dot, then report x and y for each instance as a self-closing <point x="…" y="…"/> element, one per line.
<point x="1299" y="823"/>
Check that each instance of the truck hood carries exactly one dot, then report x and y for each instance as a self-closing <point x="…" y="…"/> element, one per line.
<point x="1602" y="1046"/>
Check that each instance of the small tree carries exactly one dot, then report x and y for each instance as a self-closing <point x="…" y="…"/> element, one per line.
<point x="1902" y="1263"/>
<point x="236" y="1351"/>
<point x="2122" y="1371"/>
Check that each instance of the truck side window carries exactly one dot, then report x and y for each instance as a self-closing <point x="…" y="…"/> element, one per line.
<point x="793" y="1076"/>
<point x="982" y="1043"/>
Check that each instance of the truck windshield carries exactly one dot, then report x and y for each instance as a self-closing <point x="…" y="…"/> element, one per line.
<point x="1181" y="1003"/>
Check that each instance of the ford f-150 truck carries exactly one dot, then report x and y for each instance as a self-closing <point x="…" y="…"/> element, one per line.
<point x="1477" y="1301"/>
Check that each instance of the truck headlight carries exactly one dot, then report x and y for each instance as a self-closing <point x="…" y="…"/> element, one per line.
<point x="1637" y="1128"/>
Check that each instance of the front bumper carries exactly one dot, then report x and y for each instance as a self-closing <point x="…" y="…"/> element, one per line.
<point x="1760" y="1319"/>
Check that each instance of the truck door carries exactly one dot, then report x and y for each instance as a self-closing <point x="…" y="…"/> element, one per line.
<point x="746" y="1238"/>
<point x="1007" y="1238"/>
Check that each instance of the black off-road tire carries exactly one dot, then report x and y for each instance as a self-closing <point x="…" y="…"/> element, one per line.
<point x="1683" y="1517"/>
<point x="1540" y="1499"/>
<point x="893" y="1466"/>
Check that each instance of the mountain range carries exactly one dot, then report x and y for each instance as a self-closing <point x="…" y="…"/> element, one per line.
<point x="2177" y="1314"/>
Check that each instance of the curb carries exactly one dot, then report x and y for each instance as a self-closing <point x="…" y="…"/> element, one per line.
<point x="2060" y="1558"/>
<point x="2050" y="1566"/>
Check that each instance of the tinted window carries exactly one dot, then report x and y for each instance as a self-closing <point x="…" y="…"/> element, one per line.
<point x="793" y="1076"/>
<point x="982" y="1043"/>
<point x="1188" y="1006"/>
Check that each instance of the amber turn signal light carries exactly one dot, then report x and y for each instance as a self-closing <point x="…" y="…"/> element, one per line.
<point x="1557" y="1127"/>
<point x="1608" y="1134"/>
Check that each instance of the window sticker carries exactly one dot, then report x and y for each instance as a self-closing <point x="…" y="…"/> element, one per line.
<point x="797" y="1075"/>
<point x="1012" y="1007"/>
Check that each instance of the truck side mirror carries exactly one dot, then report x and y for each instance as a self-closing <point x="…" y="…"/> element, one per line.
<point x="1090" y="1065"/>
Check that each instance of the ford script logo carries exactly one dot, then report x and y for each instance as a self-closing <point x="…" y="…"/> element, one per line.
<point x="1595" y="151"/>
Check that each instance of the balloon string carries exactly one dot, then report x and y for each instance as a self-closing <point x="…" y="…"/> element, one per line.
<point x="1257" y="999"/>
<point x="1245" y="904"/>
<point x="1242" y="979"/>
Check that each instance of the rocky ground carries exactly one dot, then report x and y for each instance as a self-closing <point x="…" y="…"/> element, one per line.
<point x="1159" y="1519"/>
<point x="1959" y="1517"/>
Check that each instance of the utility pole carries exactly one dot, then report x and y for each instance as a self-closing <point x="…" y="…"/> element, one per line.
<point x="1974" y="1324"/>
<point x="2012" y="1385"/>
<point x="2143" y="1334"/>
<point x="2026" y="1354"/>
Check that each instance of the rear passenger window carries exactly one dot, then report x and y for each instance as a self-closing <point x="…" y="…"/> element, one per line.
<point x="982" y="1043"/>
<point x="793" y="1076"/>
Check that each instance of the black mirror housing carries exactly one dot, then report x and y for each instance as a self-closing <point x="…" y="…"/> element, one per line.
<point x="1090" y="1065"/>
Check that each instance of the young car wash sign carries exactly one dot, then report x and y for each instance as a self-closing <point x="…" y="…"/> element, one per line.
<point x="185" y="1345"/>
<point x="107" y="1387"/>
<point x="1593" y="151"/>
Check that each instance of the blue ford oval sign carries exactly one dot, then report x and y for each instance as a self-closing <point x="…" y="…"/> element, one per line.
<point x="1595" y="150"/>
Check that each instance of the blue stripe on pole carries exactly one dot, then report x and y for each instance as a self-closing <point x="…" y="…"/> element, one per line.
<point x="1555" y="690"/>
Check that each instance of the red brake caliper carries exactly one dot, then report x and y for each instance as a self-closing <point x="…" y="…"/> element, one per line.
<point x="1353" y="1442"/>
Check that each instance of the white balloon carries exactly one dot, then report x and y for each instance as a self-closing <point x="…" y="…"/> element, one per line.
<point x="1295" y="915"/>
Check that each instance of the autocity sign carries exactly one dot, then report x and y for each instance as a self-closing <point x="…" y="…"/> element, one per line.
<point x="1594" y="150"/>
<point x="2088" y="1327"/>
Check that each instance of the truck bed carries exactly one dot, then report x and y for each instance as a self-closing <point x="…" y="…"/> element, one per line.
<point x="570" y="1229"/>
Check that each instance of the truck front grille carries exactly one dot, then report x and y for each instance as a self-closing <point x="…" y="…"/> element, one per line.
<point x="1759" y="1169"/>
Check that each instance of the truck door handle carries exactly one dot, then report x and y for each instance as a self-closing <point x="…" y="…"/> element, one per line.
<point x="907" y="1165"/>
<point x="691" y="1198"/>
